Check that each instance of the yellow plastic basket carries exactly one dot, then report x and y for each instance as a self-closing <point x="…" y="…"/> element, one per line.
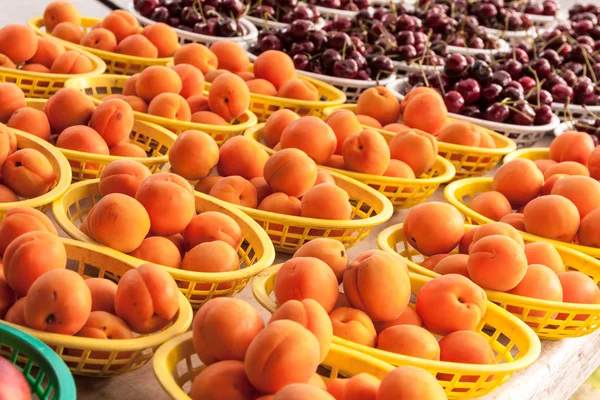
<point x="533" y="154"/>
<point x="461" y="193"/>
<point x="44" y="85"/>
<point x="61" y="168"/>
<point x="104" y="85"/>
<point x="467" y="160"/>
<point x="256" y="252"/>
<point x="120" y="356"/>
<point x="402" y="192"/>
<point x="515" y="345"/>
<point x="540" y="315"/>
<point x="152" y="138"/>
<point x="116" y="63"/>
<point x="176" y="364"/>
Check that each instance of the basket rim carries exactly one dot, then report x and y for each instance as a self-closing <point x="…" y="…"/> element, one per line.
<point x="148" y="161"/>
<point x="533" y="342"/>
<point x="574" y="108"/>
<point x="578" y="308"/>
<point x="258" y="22"/>
<point x="495" y="126"/>
<point x="523" y="153"/>
<point x="36" y="23"/>
<point x="504" y="48"/>
<point x="180" y="324"/>
<point x="508" y="144"/>
<point x="450" y="197"/>
<point x="60" y="215"/>
<point x="334" y="80"/>
<point x="448" y="170"/>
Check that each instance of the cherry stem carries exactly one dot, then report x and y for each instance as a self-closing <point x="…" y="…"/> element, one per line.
<point x="527" y="117"/>
<point x="590" y="113"/>
<point x="198" y="9"/>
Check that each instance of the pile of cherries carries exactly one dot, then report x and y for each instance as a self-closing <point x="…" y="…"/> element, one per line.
<point x="284" y="11"/>
<point x="348" y="5"/>
<point x="590" y="125"/>
<point x="535" y="7"/>
<point x="206" y="17"/>
<point x="584" y="11"/>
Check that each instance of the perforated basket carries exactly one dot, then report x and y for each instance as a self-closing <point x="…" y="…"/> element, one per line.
<point x="503" y="47"/>
<point x="101" y="86"/>
<point x="549" y="319"/>
<point x="115" y="63"/>
<point x="515" y="345"/>
<point x="574" y="111"/>
<point x="154" y="139"/>
<point x="176" y="365"/>
<point x="255" y="254"/>
<point x="118" y="356"/>
<point x="461" y="193"/>
<point x="401" y="192"/>
<point x="523" y="136"/>
<point x="467" y="160"/>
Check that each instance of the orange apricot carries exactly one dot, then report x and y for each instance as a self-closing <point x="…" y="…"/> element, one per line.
<point x="330" y="251"/>
<point x="353" y="325"/>
<point x="281" y="203"/>
<point x="128" y="150"/>
<point x="567" y="168"/>
<point x="236" y="190"/>
<point x="594" y="163"/>
<point x="68" y="107"/>
<point x="170" y="105"/>
<point x="409" y="340"/>
<point x="28" y="173"/>
<point x="228" y="96"/>
<point x="7" y="195"/>
<point x="416" y="148"/>
<point x="223" y="380"/>
<point x="192" y="80"/>
<point x="18" y="42"/>
<point x="242" y="156"/>
<point x="369" y="121"/>
<point x="379" y="103"/>
<point x="30" y="120"/>
<point x="198" y="55"/>
<point x="408" y="317"/>
<point x="158" y="250"/>
<point x="519" y="180"/>
<point x="366" y="152"/>
<point x="205" y="184"/>
<point x="58" y="12"/>
<point x="549" y="184"/>
<point x="212" y="75"/>
<point x="493" y="205"/>
<point x="261" y="86"/>
<point x="312" y="136"/>
<point x="113" y="120"/>
<point x="516" y="220"/>
<point x="498" y="228"/>
<point x="20" y="220"/>
<point x="553" y="217"/>
<point x="578" y="288"/>
<point x="572" y="146"/>
<point x="193" y="155"/>
<point x="409" y="382"/>
<point x="163" y="37"/>
<point x="103" y="292"/>
<point x="453" y="264"/>
<point x="545" y="254"/>
<point x="326" y="201"/>
<point x="156" y="80"/>
<point x="12" y="98"/>
<point x="136" y="103"/>
<point x="276" y="124"/>
<point x="465" y="347"/>
<point x="72" y="62"/>
<point x="68" y="31"/>
<point x="100" y="39"/>
<point x="540" y="282"/>
<point x="197" y="103"/>
<point x="138" y="46"/>
<point x="290" y="171"/>
<point x="433" y="120"/>
<point x="48" y="50"/>
<point x="298" y="89"/>
<point x="210" y="226"/>
<point x="262" y="188"/>
<point x="343" y="123"/>
<point x="588" y="232"/>
<point x="460" y="132"/>
<point x="583" y="191"/>
<point x="121" y="23"/>
<point x="85" y="139"/>
<point x="285" y="71"/>
<point x="543" y="165"/>
<point x="230" y="56"/>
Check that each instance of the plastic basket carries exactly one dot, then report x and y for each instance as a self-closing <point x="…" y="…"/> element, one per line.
<point x="46" y="374"/>
<point x="530" y="33"/>
<point x="524" y="136"/>
<point x="562" y="128"/>
<point x="401" y="192"/>
<point x="574" y="111"/>
<point x="515" y="345"/>
<point x="61" y="168"/>
<point x="543" y="21"/>
<point x="115" y="63"/>
<point x="176" y="364"/>
<point x="44" y="85"/>
<point x="256" y="252"/>
<point x="261" y="23"/>
<point x="104" y="85"/>
<point x="120" y="356"/>
<point x="191" y="37"/>
<point x="469" y="51"/>
<point x="467" y="160"/>
<point x="461" y="193"/>
<point x="150" y="137"/>
<point x="540" y="315"/>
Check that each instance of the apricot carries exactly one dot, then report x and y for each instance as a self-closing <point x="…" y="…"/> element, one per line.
<point x="18" y="42"/>
<point x="324" y="177"/>
<point x="242" y="156"/>
<point x="48" y="50"/>
<point x="337" y="161"/>
<point x="497" y="262"/>
<point x="326" y="201"/>
<point x="105" y="326"/>
<point x="170" y="105"/>
<point x="540" y="282"/>
<point x="285" y="71"/>
<point x="247" y="76"/>
<point x="28" y="173"/>
<point x="498" y="228"/>
<point x="20" y="220"/>
<point x="451" y="303"/>
<point x="519" y="180"/>
<point x="281" y="203"/>
<point x="369" y="121"/>
<point x="100" y="39"/>
<point x="461" y="132"/>
<point x="379" y="103"/>
<point x="192" y="80"/>
<point x="549" y="184"/>
<point x="543" y="165"/>
<point x="516" y="220"/>
<point x="193" y="155"/>
<point x="68" y="107"/>
<point x="16" y="313"/>
<point x="7" y="195"/>
<point x="236" y="190"/>
<point x="465" y="347"/>
<point x="12" y="98"/>
<point x="212" y="75"/>
<point x="409" y="340"/>
<point x="230" y="56"/>
<point x="465" y="242"/>
<point x="408" y="317"/>
<point x="578" y="288"/>
<point x="156" y="80"/>
<point x="433" y="228"/>
<point x="276" y="124"/>
<point x="583" y="191"/>
<point x="223" y="380"/>
<point x="298" y="89"/>
<point x="113" y="120"/>
<point x="85" y="139"/>
<point x="60" y="11"/>
<point x="9" y="135"/>
<point x="366" y="152"/>
<point x="68" y="31"/>
<point x="330" y="251"/>
<point x="103" y="292"/>
<point x="299" y="391"/>
<point x="121" y="23"/>
<point x="594" y="164"/>
<point x="122" y="176"/>
<point x="72" y="62"/>
<point x="210" y="226"/>
<point x="228" y="96"/>
<point x="312" y="136"/>
<point x="343" y="123"/>
<point x="553" y="217"/>
<point x="409" y="382"/>
<point x="290" y="171"/>
<point x="205" y="184"/>
<point x="567" y="168"/>
<point x="486" y="140"/>
<point x="136" y="103"/>
<point x="353" y="325"/>
<point x="197" y="55"/>
<point x="399" y="169"/>
<point x="493" y="205"/>
<point x="416" y="148"/>
<point x="588" y="232"/>
<point x="396" y="127"/>
<point x="306" y="277"/>
<point x="147" y="298"/>
<point x="208" y="118"/>
<point x="128" y="150"/>
<point x="262" y="87"/>
<point x="197" y="103"/>
<point x="8" y="298"/>
<point x="7" y="63"/>
<point x="137" y="46"/>
<point x="453" y="264"/>
<point x="545" y="254"/>
<point x="163" y="37"/>
<point x="572" y="146"/>
<point x="435" y="117"/>
<point x="32" y="121"/>
<point x="158" y="250"/>
<point x="262" y="188"/>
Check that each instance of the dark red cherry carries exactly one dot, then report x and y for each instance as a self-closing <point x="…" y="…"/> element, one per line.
<point x="471" y="111"/>
<point x="523" y="113"/>
<point x="496" y="113"/>
<point x="454" y="102"/>
<point x="562" y="93"/>
<point x="469" y="89"/>
<point x="543" y="115"/>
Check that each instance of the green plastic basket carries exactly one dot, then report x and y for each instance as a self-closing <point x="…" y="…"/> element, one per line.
<point x="46" y="373"/>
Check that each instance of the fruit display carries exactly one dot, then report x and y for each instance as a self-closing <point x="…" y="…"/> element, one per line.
<point x="346" y="5"/>
<point x="282" y="13"/>
<point x="548" y="8"/>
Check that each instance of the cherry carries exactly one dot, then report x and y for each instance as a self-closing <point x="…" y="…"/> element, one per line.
<point x="454" y="102"/>
<point x="535" y="8"/>
<point x="515" y="85"/>
<point x="342" y="24"/>
<point x="496" y="112"/>
<point x="359" y="58"/>
<point x="304" y="46"/>
<point x="584" y="91"/>
<point x="363" y="75"/>
<point x="416" y="77"/>
<point x="486" y="11"/>
<point x="331" y="3"/>
<point x="303" y="13"/>
<point x="190" y="16"/>
<point x="569" y="77"/>
<point x="525" y="115"/>
<point x="552" y="56"/>
<point x="582" y="27"/>
<point x="228" y="27"/>
<point x="405" y="37"/>
<point x="299" y="29"/>
<point x="476" y="43"/>
<point x="438" y="81"/>
<point x="575" y="67"/>
<point x="544" y="115"/>
<point x="471" y="111"/>
<point x="527" y="83"/>
<point x="456" y="65"/>
<point x="359" y="45"/>
<point x="174" y="6"/>
<point x="501" y="78"/>
<point x="381" y="66"/>
<point x="514" y="68"/>
<point x="406" y="53"/>
<point x="565" y="49"/>
<point x="490" y="94"/>
<point x="405" y="22"/>
<point x="550" y="8"/>
<point x="420" y="38"/>
<point x="160" y="14"/>
<point x="562" y="93"/>
<point x="339" y="41"/>
<point x="270" y="42"/>
<point x="521" y="56"/>
<point x="329" y="57"/>
<point x="458" y="41"/>
<point x="301" y="61"/>
<point x="345" y="68"/>
<point x="481" y="71"/>
<point x="580" y="53"/>
<point x="233" y="8"/>
<point x="586" y="40"/>
<point x="511" y="93"/>
<point x="469" y="89"/>
<point x="365" y="15"/>
<point x="146" y="7"/>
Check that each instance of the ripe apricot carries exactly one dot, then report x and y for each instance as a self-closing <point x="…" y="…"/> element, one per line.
<point x="324" y="177"/>
<point x="553" y="217"/>
<point x="158" y="250"/>
<point x="299" y="391"/>
<point x="298" y="89"/>
<point x="28" y="173"/>
<point x="343" y="123"/>
<point x="408" y="317"/>
<point x="68" y="107"/>
<point x="543" y="165"/>
<point x="223" y="380"/>
<point x="453" y="264"/>
<point x="197" y="55"/>
<point x="68" y="31"/>
<point x="465" y="347"/>
<point x="416" y="148"/>
<point x="572" y="146"/>
<point x="540" y="282"/>
<point x="326" y="201"/>
<point x="366" y="152"/>
<point x="486" y="140"/>
<point x="439" y="307"/>
<point x="105" y="326"/>
<point x="230" y="56"/>
<point x="281" y="203"/>
<point x="242" y="156"/>
<point x="224" y="328"/>
<point x="312" y="136"/>
<point x="262" y="188"/>
<point x="228" y="96"/>
<point x="103" y="292"/>
<point x="330" y="251"/>
<point x="435" y="117"/>
<point x="100" y="39"/>
<point x="549" y="184"/>
<point x="588" y="232"/>
<point x="197" y="103"/>
<point x="163" y="37"/>
<point x="60" y="11"/>
<point x="205" y="184"/>
<point x="498" y="228"/>
<point x="7" y="63"/>
<point x="16" y="313"/>
<point x="71" y="62"/>
<point x="353" y="325"/>
<point x="276" y="124"/>
<point x="215" y="256"/>
<point x="519" y="180"/>
<point x="578" y="288"/>
<point x="192" y="80"/>
<point x="594" y="164"/>
<point x="170" y="105"/>
<point x="20" y="220"/>
<point x="128" y="150"/>
<point x="399" y="169"/>
<point x="369" y="121"/>
<point x="113" y="120"/>
<point x="247" y="76"/>
<point x="210" y="226"/>
<point x="236" y="190"/>
<point x="12" y="98"/>
<point x="8" y="297"/>
<point x="336" y="161"/>
<point x="567" y="168"/>
<point x="121" y="23"/>
<point x="208" y="118"/>
<point x="379" y="103"/>
<point x="493" y="205"/>
<point x="137" y="46"/>
<point x="30" y="120"/>
<point x="516" y="220"/>
<point x="545" y="254"/>
<point x="583" y="191"/>
<point x="212" y="75"/>
<point x="136" y="103"/>
<point x="18" y="42"/>
<point x="193" y="155"/>
<point x="85" y="139"/>
<point x="460" y="132"/>
<point x="156" y="80"/>
<point x="409" y="340"/>
<point x="396" y="127"/>
<point x="285" y="71"/>
<point x="433" y="228"/>
<point x="48" y="50"/>
<point x="409" y="382"/>
<point x="290" y="171"/>
<point x="262" y="87"/>
<point x="7" y="195"/>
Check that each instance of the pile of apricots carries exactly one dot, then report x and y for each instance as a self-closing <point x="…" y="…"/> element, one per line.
<point x="118" y="32"/>
<point x="247" y="360"/>
<point x="557" y="198"/>
<point x="495" y="257"/>
<point x="37" y="291"/>
<point x="248" y="177"/>
<point x="374" y="314"/>
<point x="21" y="48"/>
